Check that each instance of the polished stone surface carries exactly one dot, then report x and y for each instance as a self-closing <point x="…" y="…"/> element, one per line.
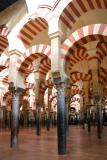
<point x="82" y="145"/>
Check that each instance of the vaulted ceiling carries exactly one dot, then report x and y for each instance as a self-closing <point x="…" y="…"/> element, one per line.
<point x="6" y="3"/>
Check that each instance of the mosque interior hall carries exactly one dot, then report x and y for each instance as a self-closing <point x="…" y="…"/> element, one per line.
<point x="53" y="79"/>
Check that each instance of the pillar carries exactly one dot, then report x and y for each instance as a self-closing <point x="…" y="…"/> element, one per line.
<point x="55" y="51"/>
<point x="61" y="114"/>
<point x="99" y="119"/>
<point x="59" y="80"/>
<point x="94" y="65"/>
<point x="67" y="103"/>
<point x="36" y="64"/>
<point x="97" y="94"/>
<point x="38" y="118"/>
<point x="48" y="120"/>
<point x="87" y="104"/>
<point x="61" y="121"/>
<point x="82" y="111"/>
<point x="14" y="115"/>
<point x="15" y="77"/>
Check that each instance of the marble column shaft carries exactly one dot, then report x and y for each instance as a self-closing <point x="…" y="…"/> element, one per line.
<point x="15" y="120"/>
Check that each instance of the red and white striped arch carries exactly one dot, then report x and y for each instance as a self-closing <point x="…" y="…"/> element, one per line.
<point x="76" y="8"/>
<point x="31" y="54"/>
<point x="52" y="97"/>
<point x="45" y="66"/>
<point x="29" y="70"/>
<point x="76" y="90"/>
<point x="54" y="101"/>
<point x="84" y="35"/>
<point x="78" y="55"/>
<point x="102" y="76"/>
<point x="5" y="92"/>
<point x="102" y="50"/>
<point x="7" y="95"/>
<point x="3" y="38"/>
<point x="4" y="75"/>
<point x="68" y="11"/>
<point x="29" y="85"/>
<point x="44" y="85"/>
<point x="31" y="29"/>
<point x="4" y="61"/>
<point x="76" y="76"/>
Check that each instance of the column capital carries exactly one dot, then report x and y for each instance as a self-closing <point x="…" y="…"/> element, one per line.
<point x="14" y="89"/>
<point x="59" y="81"/>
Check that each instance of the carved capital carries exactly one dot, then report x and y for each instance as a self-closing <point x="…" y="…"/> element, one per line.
<point x="60" y="82"/>
<point x="13" y="89"/>
<point x="56" y="77"/>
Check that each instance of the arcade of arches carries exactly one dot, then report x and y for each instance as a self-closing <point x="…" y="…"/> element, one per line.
<point x="53" y="66"/>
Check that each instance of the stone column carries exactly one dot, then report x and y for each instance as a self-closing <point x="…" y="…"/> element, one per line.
<point x="55" y="51"/>
<point x="97" y="94"/>
<point x="61" y="120"/>
<point x="61" y="114"/>
<point x="87" y="104"/>
<point x="14" y="115"/>
<point x="97" y="90"/>
<point x="36" y="64"/>
<point x="38" y="108"/>
<point x="82" y="111"/>
<point x="67" y="102"/>
<point x="48" y="121"/>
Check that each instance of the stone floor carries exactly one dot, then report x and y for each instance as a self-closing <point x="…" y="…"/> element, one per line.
<point x="81" y="145"/>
